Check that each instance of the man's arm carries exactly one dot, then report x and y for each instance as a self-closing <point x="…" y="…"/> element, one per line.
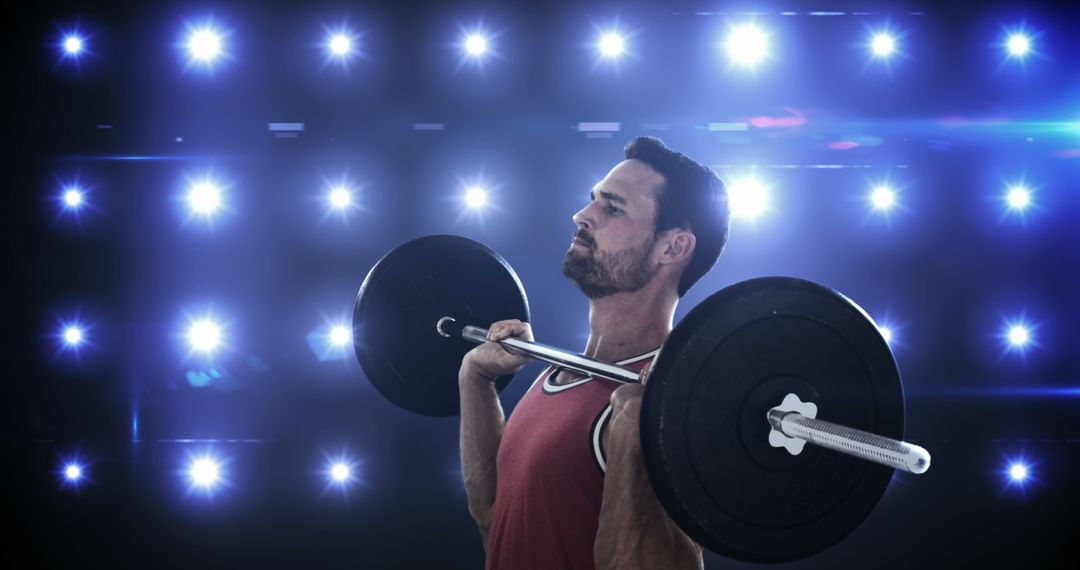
<point x="481" y="430"/>
<point x="635" y="531"/>
<point x="482" y="419"/>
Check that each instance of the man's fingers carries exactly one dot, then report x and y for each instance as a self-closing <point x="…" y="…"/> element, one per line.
<point x="509" y="328"/>
<point x="626" y="395"/>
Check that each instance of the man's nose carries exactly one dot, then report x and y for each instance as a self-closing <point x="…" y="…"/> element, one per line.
<point x="583" y="219"/>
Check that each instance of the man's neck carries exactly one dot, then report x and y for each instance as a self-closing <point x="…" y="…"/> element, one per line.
<point x="625" y="325"/>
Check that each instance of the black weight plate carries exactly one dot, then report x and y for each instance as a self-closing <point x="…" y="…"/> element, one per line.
<point x="404" y="296"/>
<point x="705" y="436"/>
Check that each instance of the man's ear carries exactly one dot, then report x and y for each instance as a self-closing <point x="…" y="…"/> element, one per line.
<point x="678" y="245"/>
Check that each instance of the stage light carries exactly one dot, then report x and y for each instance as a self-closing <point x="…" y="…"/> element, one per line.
<point x="1018" y="45"/>
<point x="73" y="45"/>
<point x="340" y="197"/>
<point x="204" y="198"/>
<point x="476" y="44"/>
<point x="73" y="472"/>
<point x="746" y="45"/>
<point x="1018" y="198"/>
<point x="204" y="44"/>
<point x="1018" y="335"/>
<point x="475" y="197"/>
<point x="882" y="198"/>
<point x="1018" y="472"/>
<point x="748" y="198"/>
<point x="611" y="45"/>
<point x="340" y="472"/>
<point x="204" y="472"/>
<point x="204" y="335"/>
<point x="340" y="335"/>
<point x="73" y="198"/>
<point x="73" y="335"/>
<point x="882" y="45"/>
<point x="340" y="45"/>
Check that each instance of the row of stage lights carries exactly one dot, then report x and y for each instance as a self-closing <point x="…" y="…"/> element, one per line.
<point x="745" y="44"/>
<point x="749" y="198"/>
<point x="206" y="473"/>
<point x="205" y="336"/>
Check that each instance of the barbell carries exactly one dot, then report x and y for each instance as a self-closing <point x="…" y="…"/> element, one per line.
<point x="730" y="404"/>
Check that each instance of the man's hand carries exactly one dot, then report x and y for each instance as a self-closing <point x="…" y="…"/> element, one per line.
<point x="635" y="532"/>
<point x="490" y="360"/>
<point x="624" y="431"/>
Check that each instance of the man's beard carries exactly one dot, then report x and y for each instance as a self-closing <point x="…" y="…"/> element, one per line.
<point x="606" y="273"/>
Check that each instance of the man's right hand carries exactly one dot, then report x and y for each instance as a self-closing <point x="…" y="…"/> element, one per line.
<point x="490" y="360"/>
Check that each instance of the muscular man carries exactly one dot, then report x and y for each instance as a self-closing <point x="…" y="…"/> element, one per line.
<point x="562" y="484"/>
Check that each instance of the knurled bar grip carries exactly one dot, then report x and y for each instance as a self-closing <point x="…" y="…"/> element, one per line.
<point x="851" y="441"/>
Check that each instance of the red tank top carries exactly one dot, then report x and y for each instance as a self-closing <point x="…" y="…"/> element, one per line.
<point x="550" y="474"/>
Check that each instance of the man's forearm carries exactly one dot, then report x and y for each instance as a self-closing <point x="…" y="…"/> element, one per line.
<point x="481" y="430"/>
<point x="635" y="531"/>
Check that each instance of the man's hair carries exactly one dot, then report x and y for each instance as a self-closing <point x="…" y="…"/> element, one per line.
<point x="692" y="198"/>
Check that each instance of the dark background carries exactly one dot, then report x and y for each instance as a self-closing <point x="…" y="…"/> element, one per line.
<point x="947" y="271"/>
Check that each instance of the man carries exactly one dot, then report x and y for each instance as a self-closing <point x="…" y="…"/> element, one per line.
<point x="563" y="483"/>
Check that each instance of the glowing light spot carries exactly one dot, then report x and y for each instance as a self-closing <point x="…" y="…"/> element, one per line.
<point x="204" y="335"/>
<point x="204" y="44"/>
<point x="882" y="45"/>
<point x="748" y="198"/>
<point x="476" y="45"/>
<point x="475" y="197"/>
<point x="746" y="45"/>
<point x="612" y="45"/>
<point x="204" y="472"/>
<point x="1018" y="45"/>
<point x="340" y="335"/>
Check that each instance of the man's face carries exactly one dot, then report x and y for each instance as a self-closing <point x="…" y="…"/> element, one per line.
<point x="612" y="247"/>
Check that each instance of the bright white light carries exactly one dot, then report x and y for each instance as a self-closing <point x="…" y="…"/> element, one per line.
<point x="886" y="333"/>
<point x="204" y="198"/>
<point x="747" y="45"/>
<point x="73" y="472"/>
<point x="1018" y="472"/>
<point x="73" y="44"/>
<point x="73" y="335"/>
<point x="748" y="198"/>
<point x="204" y="335"/>
<point x="1018" y="198"/>
<point x="1018" y="45"/>
<point x="476" y="44"/>
<point x="204" y="472"/>
<point x="882" y="45"/>
<point x="204" y="44"/>
<point x="475" y="197"/>
<point x="1018" y="335"/>
<point x="883" y="198"/>
<point x="340" y="335"/>
<point x="73" y="198"/>
<point x="340" y="197"/>
<point x="612" y="45"/>
<point x="340" y="472"/>
<point x="340" y="44"/>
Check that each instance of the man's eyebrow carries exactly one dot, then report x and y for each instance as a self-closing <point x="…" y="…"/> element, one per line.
<point x="609" y="196"/>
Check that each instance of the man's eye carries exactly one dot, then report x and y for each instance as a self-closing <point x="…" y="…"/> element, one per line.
<point x="613" y="210"/>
